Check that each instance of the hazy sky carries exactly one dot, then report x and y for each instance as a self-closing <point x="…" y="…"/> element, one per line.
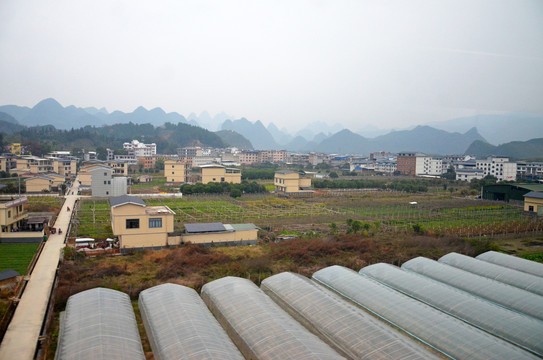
<point x="363" y="62"/>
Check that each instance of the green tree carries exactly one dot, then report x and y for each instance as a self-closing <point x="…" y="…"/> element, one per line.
<point x="333" y="175"/>
<point x="101" y="153"/>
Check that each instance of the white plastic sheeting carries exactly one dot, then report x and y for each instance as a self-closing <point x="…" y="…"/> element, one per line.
<point x="180" y="326"/>
<point x="349" y="329"/>
<point x="499" y="273"/>
<point x="512" y="262"/>
<point x="506" y="295"/>
<point x="449" y="335"/>
<point x="99" y="324"/>
<point x="519" y="329"/>
<point x="258" y="326"/>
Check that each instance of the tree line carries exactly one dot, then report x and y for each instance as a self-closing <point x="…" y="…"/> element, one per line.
<point x="398" y="185"/>
<point x="235" y="190"/>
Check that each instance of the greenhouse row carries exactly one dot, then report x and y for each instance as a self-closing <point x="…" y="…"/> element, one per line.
<point x="99" y="324"/>
<point x="180" y="326"/>
<point x="449" y="335"/>
<point x="492" y="290"/>
<point x="517" y="328"/>
<point x="260" y="328"/>
<point x="424" y="310"/>
<point x="528" y="282"/>
<point x="348" y="328"/>
<point x="512" y="262"/>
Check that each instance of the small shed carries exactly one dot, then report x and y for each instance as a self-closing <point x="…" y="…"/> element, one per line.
<point x="8" y="277"/>
<point x="533" y="202"/>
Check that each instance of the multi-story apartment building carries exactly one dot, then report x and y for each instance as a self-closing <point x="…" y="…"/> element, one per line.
<point x="175" y="171"/>
<point x="499" y="167"/>
<point x="138" y="149"/>
<point x="427" y="165"/>
<point x="530" y="170"/>
<point x="406" y="163"/>
<point x="189" y="152"/>
<point x="385" y="166"/>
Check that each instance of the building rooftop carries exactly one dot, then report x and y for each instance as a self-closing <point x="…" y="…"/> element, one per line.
<point x="126" y="199"/>
<point x="159" y="210"/>
<point x="534" y="194"/>
<point x="8" y="274"/>
<point x="204" y="228"/>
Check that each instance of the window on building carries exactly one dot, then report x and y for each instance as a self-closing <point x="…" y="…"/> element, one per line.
<point x="105" y="182"/>
<point x="155" y="222"/>
<point x="9" y="213"/>
<point x="105" y="174"/>
<point x="530" y="208"/>
<point x="107" y="192"/>
<point x="132" y="223"/>
<point x="222" y="179"/>
<point x="109" y="182"/>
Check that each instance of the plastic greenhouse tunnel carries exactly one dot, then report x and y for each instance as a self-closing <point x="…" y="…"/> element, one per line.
<point x="180" y="326"/>
<point x="528" y="282"/>
<point x="99" y="324"/>
<point x="449" y="335"/>
<point x="522" y="330"/>
<point x="349" y="329"/>
<point x="505" y="295"/>
<point x="258" y="326"/>
<point x="512" y="262"/>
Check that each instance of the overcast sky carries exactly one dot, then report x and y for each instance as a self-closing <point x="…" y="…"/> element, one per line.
<point x="390" y="64"/>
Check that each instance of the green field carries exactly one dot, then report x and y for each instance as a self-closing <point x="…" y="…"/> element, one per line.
<point x="17" y="256"/>
<point x="386" y="211"/>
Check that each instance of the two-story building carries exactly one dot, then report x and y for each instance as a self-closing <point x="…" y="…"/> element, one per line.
<point x="216" y="173"/>
<point x="290" y="182"/>
<point x="139" y="226"/>
<point x="12" y="214"/>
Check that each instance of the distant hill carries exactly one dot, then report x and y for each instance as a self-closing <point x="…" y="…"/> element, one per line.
<point x="8" y="124"/>
<point x="280" y="137"/>
<point x="50" y="112"/>
<point x="316" y="127"/>
<point x="345" y="142"/>
<point x="519" y="150"/>
<point x="422" y="138"/>
<point x="232" y="138"/>
<point x="428" y="140"/>
<point x="256" y="133"/>
<point x="498" y="129"/>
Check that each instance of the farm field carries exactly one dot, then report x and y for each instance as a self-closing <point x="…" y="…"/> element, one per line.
<point x="44" y="204"/>
<point x="383" y="211"/>
<point x="17" y="256"/>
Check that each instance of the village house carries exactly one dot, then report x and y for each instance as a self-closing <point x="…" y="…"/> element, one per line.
<point x="290" y="182"/>
<point x="138" y="226"/>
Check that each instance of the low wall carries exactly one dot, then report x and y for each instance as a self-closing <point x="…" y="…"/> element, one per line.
<point x="21" y="237"/>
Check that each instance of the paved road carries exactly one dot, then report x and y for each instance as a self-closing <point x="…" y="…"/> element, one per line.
<point x="21" y="338"/>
